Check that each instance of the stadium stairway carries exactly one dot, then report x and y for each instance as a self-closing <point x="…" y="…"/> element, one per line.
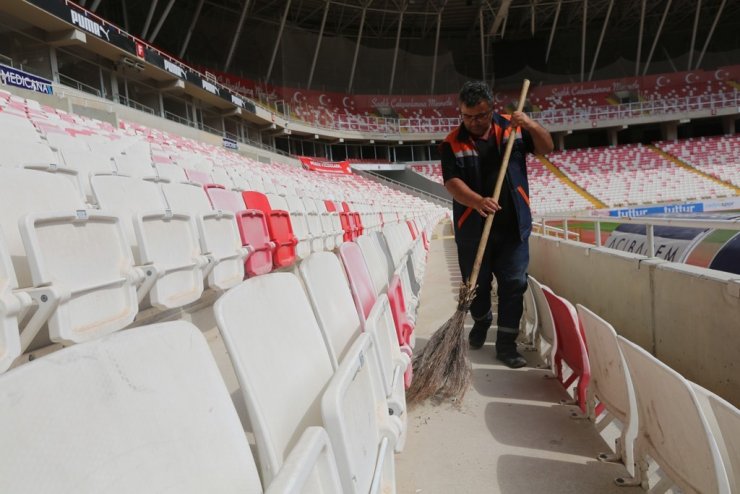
<point x="686" y="166"/>
<point x="569" y="183"/>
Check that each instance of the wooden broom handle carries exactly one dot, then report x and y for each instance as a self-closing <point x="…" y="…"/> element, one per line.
<point x="497" y="190"/>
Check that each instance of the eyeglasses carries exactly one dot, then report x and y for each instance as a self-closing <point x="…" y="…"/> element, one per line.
<point x="475" y="118"/>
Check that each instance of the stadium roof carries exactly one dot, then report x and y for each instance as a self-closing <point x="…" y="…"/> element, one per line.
<point x="484" y="37"/>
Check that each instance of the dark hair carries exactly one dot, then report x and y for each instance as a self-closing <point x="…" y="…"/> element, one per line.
<point x="473" y="92"/>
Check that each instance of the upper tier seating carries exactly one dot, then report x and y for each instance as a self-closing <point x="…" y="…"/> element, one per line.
<point x="633" y="174"/>
<point x="718" y="156"/>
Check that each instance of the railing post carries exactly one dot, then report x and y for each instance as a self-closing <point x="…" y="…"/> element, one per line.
<point x="650" y="240"/>
<point x="565" y="228"/>
<point x="597" y="233"/>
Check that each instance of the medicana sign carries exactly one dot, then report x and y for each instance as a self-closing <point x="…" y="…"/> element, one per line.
<point x="14" y="77"/>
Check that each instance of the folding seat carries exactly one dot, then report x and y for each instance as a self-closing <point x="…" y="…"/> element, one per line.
<point x="221" y="177"/>
<point x="610" y="383"/>
<point x="672" y="430"/>
<point x="331" y="220"/>
<point x="298" y="209"/>
<point x="348" y="223"/>
<point x="143" y="410"/>
<point x="252" y="228"/>
<point x="279" y="226"/>
<point x="12" y="308"/>
<point x="298" y="222"/>
<point x="323" y="239"/>
<point x="75" y="263"/>
<point x="361" y="441"/>
<point x="723" y="420"/>
<point x="280" y="359"/>
<point x="218" y="232"/>
<point x="546" y="340"/>
<point x="571" y="347"/>
<point x="164" y="241"/>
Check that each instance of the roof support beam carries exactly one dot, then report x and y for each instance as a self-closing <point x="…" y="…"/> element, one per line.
<point x="161" y="21"/>
<point x="149" y="17"/>
<point x="357" y="49"/>
<point x="124" y="7"/>
<point x="95" y="6"/>
<point x="503" y="12"/>
<point x="189" y="34"/>
<point x="436" y="52"/>
<point x="277" y="41"/>
<point x="318" y="44"/>
<point x="583" y="39"/>
<point x="601" y="38"/>
<point x="395" y="51"/>
<point x="693" y="34"/>
<point x="639" y="38"/>
<point x="552" y="31"/>
<point x="237" y="35"/>
<point x="657" y="36"/>
<point x="711" y="33"/>
<point x="482" y="46"/>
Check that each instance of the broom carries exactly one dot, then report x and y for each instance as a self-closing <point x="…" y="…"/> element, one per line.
<point x="441" y="368"/>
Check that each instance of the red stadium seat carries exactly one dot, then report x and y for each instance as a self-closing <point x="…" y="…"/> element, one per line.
<point x="571" y="347"/>
<point x="279" y="226"/>
<point x="252" y="228"/>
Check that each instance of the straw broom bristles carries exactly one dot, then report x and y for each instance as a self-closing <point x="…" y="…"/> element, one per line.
<point x="441" y="369"/>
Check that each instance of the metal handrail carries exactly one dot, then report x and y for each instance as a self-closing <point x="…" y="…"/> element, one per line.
<point x="650" y="223"/>
<point x="135" y="104"/>
<point x="80" y="86"/>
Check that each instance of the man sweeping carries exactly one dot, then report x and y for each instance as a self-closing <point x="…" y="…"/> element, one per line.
<point x="471" y="159"/>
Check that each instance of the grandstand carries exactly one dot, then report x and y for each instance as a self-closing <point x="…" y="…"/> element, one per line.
<point x="214" y="278"/>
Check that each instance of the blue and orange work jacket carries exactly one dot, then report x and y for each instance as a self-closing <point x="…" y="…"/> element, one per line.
<point x="468" y="224"/>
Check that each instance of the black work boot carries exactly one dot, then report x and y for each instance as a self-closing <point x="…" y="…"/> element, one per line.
<point x="506" y="348"/>
<point x="478" y="334"/>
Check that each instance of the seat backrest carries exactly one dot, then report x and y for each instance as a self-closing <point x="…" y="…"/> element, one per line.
<point x="381" y="326"/>
<point x="329" y="292"/>
<point x="198" y="176"/>
<point x="671" y="426"/>
<point x="360" y="280"/>
<point x="280" y="359"/>
<point x="376" y="260"/>
<point x="724" y="422"/>
<point x="118" y="403"/>
<point x="354" y="424"/>
<point x="127" y="196"/>
<point x="608" y="373"/>
<point x="227" y="200"/>
<point x="256" y="200"/>
<point x="170" y="173"/>
<point x="546" y="325"/>
<point x="186" y="197"/>
<point x="570" y="343"/>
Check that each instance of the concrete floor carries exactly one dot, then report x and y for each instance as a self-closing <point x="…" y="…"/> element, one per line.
<point x="510" y="434"/>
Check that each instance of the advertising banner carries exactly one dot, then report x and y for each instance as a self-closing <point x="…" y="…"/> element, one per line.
<point x="14" y="77"/>
<point x="319" y="165"/>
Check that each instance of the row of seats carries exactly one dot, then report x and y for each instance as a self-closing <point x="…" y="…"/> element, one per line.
<point x="688" y="431"/>
<point x="719" y="156"/>
<point x="338" y="354"/>
<point x="634" y="174"/>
